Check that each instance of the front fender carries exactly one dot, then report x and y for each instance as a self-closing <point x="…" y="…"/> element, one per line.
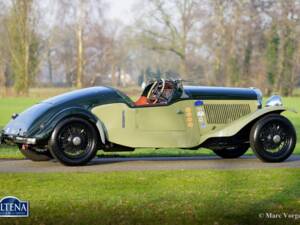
<point x="237" y="125"/>
<point x="68" y="112"/>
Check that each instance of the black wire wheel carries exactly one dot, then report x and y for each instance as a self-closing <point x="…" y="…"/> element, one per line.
<point x="35" y="154"/>
<point x="74" y="142"/>
<point x="273" y="138"/>
<point x="232" y="152"/>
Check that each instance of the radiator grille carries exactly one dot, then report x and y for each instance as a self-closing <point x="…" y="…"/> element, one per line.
<point x="225" y="113"/>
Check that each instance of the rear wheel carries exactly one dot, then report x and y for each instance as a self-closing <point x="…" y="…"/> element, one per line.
<point x="273" y="138"/>
<point x="35" y="154"/>
<point x="232" y="152"/>
<point x="74" y="142"/>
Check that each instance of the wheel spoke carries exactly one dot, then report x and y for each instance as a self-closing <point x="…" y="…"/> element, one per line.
<point x="67" y="143"/>
<point x="274" y="138"/>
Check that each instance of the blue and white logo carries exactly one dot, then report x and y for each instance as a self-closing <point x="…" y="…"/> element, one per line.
<point x="13" y="207"/>
<point x="199" y="103"/>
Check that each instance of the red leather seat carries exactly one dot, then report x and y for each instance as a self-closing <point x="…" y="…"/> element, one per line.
<point x="141" y="101"/>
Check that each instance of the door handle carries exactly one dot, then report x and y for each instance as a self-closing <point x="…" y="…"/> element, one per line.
<point x="179" y="112"/>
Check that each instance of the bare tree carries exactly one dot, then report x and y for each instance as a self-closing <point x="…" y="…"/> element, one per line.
<point x="170" y="26"/>
<point x="79" y="15"/>
<point x="23" y="44"/>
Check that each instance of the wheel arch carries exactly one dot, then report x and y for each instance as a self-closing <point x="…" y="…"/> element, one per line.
<point x="247" y="128"/>
<point x="76" y="112"/>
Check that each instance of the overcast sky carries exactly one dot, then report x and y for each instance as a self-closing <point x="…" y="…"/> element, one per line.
<point x="121" y="10"/>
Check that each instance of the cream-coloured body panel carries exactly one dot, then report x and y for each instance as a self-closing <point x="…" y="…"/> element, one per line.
<point x="153" y="126"/>
<point x="182" y="124"/>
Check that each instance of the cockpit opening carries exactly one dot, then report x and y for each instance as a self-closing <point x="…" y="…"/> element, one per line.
<point x="159" y="92"/>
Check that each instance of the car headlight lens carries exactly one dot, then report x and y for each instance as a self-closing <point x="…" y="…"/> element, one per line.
<point x="274" y="100"/>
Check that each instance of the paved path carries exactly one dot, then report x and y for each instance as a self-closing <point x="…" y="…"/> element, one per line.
<point x="140" y="164"/>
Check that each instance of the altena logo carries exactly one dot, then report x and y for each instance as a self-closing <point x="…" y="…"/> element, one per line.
<point x="13" y="207"/>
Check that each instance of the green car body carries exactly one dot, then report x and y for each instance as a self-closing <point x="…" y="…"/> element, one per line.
<point x="194" y="117"/>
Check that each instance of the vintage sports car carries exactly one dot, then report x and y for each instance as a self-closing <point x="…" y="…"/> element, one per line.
<point x="73" y="126"/>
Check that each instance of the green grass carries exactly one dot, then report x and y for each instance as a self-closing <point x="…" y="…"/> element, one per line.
<point x="160" y="197"/>
<point x="10" y="105"/>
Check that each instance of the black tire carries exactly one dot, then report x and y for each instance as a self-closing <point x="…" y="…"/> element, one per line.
<point x="63" y="146"/>
<point x="233" y="152"/>
<point x="36" y="155"/>
<point x="273" y="138"/>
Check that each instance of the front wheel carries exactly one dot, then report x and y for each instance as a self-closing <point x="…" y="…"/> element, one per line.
<point x="232" y="152"/>
<point x="273" y="138"/>
<point x="74" y="142"/>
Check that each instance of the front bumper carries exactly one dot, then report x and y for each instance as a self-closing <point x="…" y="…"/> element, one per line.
<point x="16" y="139"/>
<point x="22" y="140"/>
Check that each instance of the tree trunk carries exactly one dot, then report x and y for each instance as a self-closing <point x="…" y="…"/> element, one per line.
<point x="79" y="75"/>
<point x="50" y="69"/>
<point x="26" y="69"/>
<point x="183" y="69"/>
<point x="114" y="81"/>
<point x="2" y="81"/>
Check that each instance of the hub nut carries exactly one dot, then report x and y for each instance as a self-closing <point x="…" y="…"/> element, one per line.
<point x="76" y="141"/>
<point x="276" y="139"/>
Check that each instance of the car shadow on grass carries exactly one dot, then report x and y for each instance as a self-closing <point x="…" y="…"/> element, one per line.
<point x="99" y="159"/>
<point x="204" y="158"/>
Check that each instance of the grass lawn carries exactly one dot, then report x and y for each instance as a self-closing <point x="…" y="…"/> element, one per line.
<point x="160" y="197"/>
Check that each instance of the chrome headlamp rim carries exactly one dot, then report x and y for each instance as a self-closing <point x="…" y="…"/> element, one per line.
<point x="274" y="100"/>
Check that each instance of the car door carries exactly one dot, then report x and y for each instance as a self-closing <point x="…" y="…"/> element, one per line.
<point x="160" y="126"/>
<point x="160" y="119"/>
<point x="173" y="125"/>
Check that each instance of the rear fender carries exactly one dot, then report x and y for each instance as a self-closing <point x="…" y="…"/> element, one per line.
<point x="236" y="126"/>
<point x="70" y="112"/>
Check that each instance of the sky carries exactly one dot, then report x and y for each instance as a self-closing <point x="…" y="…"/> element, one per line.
<point x="121" y="10"/>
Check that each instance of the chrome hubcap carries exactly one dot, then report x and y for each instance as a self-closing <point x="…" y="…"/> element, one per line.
<point x="76" y="141"/>
<point x="276" y="139"/>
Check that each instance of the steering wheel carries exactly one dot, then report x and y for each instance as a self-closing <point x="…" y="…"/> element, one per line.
<point x="156" y="91"/>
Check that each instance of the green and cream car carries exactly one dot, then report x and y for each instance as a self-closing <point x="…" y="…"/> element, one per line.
<point x="73" y="126"/>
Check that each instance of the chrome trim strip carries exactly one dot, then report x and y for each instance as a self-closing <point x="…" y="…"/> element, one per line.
<point x="22" y="140"/>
